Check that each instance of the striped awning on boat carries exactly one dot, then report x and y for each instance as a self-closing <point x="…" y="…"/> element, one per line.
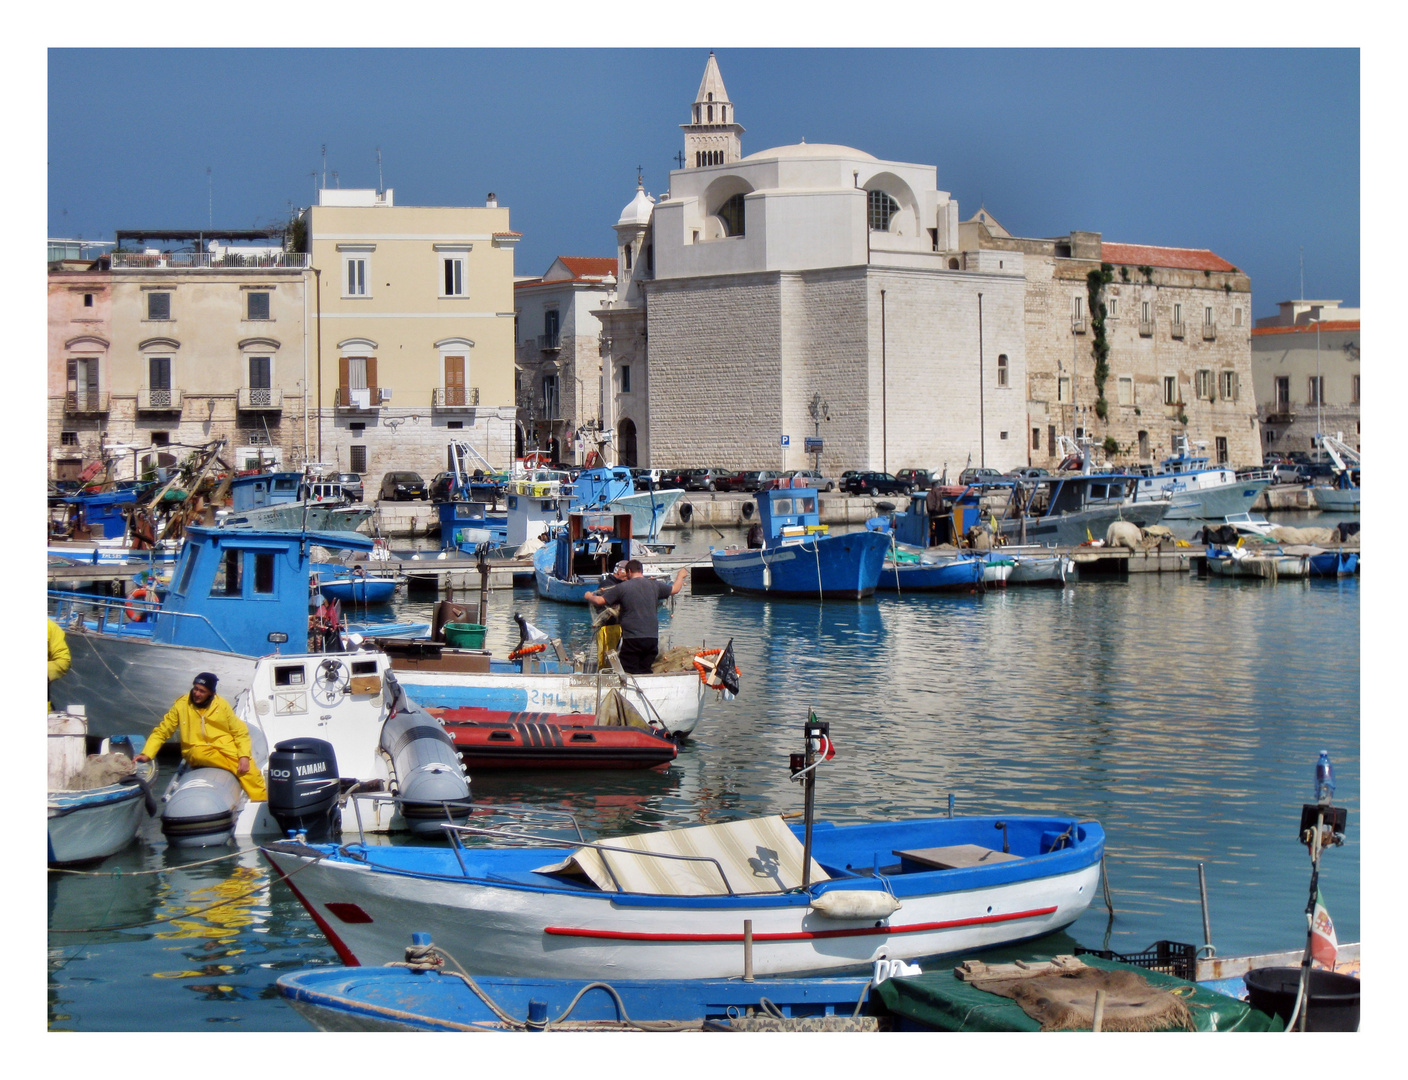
<point x="755" y="855"/>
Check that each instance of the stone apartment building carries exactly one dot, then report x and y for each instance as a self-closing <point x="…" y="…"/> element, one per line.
<point x="1177" y="326"/>
<point x="413" y="327"/>
<point x="160" y="347"/>
<point x="558" y="355"/>
<point x="1305" y="367"/>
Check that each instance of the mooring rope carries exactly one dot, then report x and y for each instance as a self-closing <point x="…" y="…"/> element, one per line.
<point x="143" y="873"/>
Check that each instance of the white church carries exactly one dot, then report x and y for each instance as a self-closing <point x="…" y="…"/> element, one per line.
<point x="804" y="292"/>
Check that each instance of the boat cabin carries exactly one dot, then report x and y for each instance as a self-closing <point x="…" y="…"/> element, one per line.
<point x="264" y="489"/>
<point x="244" y="591"/>
<point x="591" y="544"/>
<point x="789" y="515"/>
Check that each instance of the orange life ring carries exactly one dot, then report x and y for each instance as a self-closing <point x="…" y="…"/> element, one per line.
<point x="526" y="650"/>
<point x="706" y="670"/>
<point x="136" y="614"/>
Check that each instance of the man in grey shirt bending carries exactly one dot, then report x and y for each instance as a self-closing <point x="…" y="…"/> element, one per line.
<point x="638" y="597"/>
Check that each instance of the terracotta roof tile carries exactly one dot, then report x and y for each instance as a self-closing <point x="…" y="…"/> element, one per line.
<point x="1172" y="258"/>
<point x="1328" y="326"/>
<point x="588" y="265"/>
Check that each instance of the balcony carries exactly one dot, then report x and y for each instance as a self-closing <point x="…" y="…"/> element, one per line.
<point x="86" y="402"/>
<point x="162" y="400"/>
<point x="454" y="397"/>
<point x="261" y="398"/>
<point x="550" y="342"/>
<point x="1209" y="331"/>
<point x="205" y="260"/>
<point x="362" y="398"/>
<point x="1146" y="328"/>
<point x="1077" y="326"/>
<point x="1175" y="330"/>
<point x="1278" y="412"/>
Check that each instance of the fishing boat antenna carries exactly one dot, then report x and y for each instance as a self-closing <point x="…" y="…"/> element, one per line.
<point x="818" y="742"/>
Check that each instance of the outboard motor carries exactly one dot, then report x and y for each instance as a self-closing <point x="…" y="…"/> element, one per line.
<point x="303" y="788"/>
<point x="431" y="787"/>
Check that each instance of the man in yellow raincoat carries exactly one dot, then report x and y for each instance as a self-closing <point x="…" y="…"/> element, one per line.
<point x="59" y="657"/>
<point x="211" y="735"/>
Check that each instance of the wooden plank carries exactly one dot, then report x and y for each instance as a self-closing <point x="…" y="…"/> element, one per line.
<point x="956" y="856"/>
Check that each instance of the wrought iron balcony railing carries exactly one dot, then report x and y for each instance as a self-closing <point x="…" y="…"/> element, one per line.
<point x="159" y="400"/>
<point x="261" y="397"/>
<point x="454" y="397"/>
<point x="86" y="401"/>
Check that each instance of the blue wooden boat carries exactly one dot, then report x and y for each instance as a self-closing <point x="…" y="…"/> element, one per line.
<point x="399" y="999"/>
<point x="359" y="591"/>
<point x="962" y="573"/>
<point x="799" y="556"/>
<point x="581" y="555"/>
<point x="1334" y="564"/>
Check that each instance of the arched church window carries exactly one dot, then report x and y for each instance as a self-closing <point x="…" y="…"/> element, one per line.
<point x="711" y="114"/>
<point x="731" y="213"/>
<point x="882" y="210"/>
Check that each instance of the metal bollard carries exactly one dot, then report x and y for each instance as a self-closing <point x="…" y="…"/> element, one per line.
<point x="747" y="950"/>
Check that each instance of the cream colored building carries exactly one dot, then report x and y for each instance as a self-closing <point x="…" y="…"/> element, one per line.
<point x="178" y="349"/>
<point x="413" y="328"/>
<point x="1305" y="364"/>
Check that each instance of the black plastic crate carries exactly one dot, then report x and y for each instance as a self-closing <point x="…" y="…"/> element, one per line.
<point x="1170" y="957"/>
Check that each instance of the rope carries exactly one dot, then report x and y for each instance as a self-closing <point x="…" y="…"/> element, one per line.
<point x="1105" y="887"/>
<point x="143" y="873"/>
<point x="184" y="914"/>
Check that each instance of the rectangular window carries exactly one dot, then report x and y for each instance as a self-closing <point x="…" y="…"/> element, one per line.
<point x="1204" y="385"/>
<point x="357" y="459"/>
<point x="1221" y="444"/>
<point x="159" y="373"/>
<point x="158" y="306"/>
<point x="1002" y="369"/>
<point x="87" y="299"/>
<point x="1317" y="390"/>
<point x="70" y="438"/>
<point x="1144" y="314"/>
<point x="264" y="572"/>
<point x="1283" y="393"/>
<point x="354" y="281"/>
<point x="1177" y="314"/>
<point x="1125" y="387"/>
<point x="625" y="378"/>
<point x="626" y="255"/>
<point x="453" y="267"/>
<point x="1050" y="438"/>
<point x="161" y="438"/>
<point x="227" y="575"/>
<point x="190" y="554"/>
<point x="257" y="304"/>
<point x="550" y="397"/>
<point x="1112" y="309"/>
<point x="260" y="372"/>
<point x="1207" y="316"/>
<point x="1236" y="316"/>
<point x="1063" y="390"/>
<point x="1036" y="438"/>
<point x="1143" y="444"/>
<point x="1229" y="385"/>
<point x="1354" y="388"/>
<point x="1170" y="389"/>
<point x="1077" y="306"/>
<point x="357" y="372"/>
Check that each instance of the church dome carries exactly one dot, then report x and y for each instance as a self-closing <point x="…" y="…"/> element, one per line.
<point x="811" y="150"/>
<point x="638" y="210"/>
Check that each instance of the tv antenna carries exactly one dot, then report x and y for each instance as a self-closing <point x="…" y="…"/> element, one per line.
<point x="379" y="188"/>
<point x="210" y="197"/>
<point x="325" y="164"/>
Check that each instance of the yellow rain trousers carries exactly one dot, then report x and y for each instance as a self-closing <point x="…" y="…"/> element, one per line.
<point x="214" y="737"/>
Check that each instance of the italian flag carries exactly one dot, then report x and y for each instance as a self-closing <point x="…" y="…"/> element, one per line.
<point x="1324" y="946"/>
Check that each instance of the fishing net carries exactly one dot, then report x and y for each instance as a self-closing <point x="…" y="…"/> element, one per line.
<point x="1066" y="1001"/>
<point x="100" y="770"/>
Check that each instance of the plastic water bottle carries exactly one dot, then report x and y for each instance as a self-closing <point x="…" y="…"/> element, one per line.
<point x="1324" y="778"/>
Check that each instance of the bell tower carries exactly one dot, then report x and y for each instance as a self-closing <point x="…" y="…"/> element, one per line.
<point x="713" y="136"/>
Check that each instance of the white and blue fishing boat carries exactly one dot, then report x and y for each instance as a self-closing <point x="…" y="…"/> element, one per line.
<point x="414" y="999"/>
<point x="612" y="489"/>
<point x="1196" y="489"/>
<point x="90" y="823"/>
<point x="581" y="554"/>
<point x="1270" y="564"/>
<point x="799" y="556"/>
<point x="292" y="500"/>
<point x="235" y="594"/>
<point x="1342" y="495"/>
<point x="931" y="573"/>
<point x="821" y="898"/>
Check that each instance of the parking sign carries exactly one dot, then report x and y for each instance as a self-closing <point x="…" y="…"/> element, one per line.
<point x="786" y="440"/>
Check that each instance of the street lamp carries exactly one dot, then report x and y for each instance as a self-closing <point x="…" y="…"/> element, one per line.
<point x="819" y="410"/>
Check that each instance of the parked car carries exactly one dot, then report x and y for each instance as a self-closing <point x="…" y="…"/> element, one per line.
<point x="402" y="487"/>
<point x="976" y="476"/>
<point x="814" y="479"/>
<point x="750" y="480"/>
<point x="1027" y="472"/>
<point x="641" y="479"/>
<point x="703" y="479"/>
<point x="874" y="483"/>
<point x="672" y="478"/>
<point x="1289" y="474"/>
<point x="916" y="479"/>
<point x="351" y="485"/>
<point x="440" y="486"/>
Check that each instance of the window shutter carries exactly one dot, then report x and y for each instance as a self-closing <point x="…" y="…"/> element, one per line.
<point x="371" y="378"/>
<point x="343" y="398"/>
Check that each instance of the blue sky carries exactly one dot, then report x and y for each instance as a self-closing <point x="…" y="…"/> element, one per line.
<point x="1252" y="153"/>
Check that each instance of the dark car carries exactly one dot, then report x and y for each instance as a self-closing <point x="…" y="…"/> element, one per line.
<point x="915" y="479"/>
<point x="440" y="486"/>
<point x="702" y="479"/>
<point x="351" y="485"/>
<point x="672" y="478"/>
<point x="750" y="481"/>
<point x="874" y="483"/>
<point x="402" y="487"/>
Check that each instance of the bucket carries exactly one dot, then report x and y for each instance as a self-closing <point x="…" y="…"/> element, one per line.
<point x="1333" y="999"/>
<point x="464" y="635"/>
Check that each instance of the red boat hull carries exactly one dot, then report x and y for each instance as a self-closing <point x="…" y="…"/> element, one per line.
<point x="490" y="739"/>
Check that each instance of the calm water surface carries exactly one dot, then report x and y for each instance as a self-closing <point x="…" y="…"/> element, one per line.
<point x="1185" y="715"/>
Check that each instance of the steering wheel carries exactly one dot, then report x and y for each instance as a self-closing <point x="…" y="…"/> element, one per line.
<point x="330" y="681"/>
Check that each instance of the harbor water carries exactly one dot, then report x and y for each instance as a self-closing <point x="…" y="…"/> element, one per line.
<point x="1184" y="714"/>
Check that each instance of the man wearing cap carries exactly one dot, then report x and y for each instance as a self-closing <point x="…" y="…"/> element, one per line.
<point x="211" y="735"/>
<point x="638" y="597"/>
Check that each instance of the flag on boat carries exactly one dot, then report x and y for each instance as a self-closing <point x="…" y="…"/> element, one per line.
<point x="825" y="750"/>
<point x="1324" y="946"/>
<point x="727" y="669"/>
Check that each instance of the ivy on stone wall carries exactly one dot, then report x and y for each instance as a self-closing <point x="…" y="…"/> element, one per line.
<point x="1095" y="283"/>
